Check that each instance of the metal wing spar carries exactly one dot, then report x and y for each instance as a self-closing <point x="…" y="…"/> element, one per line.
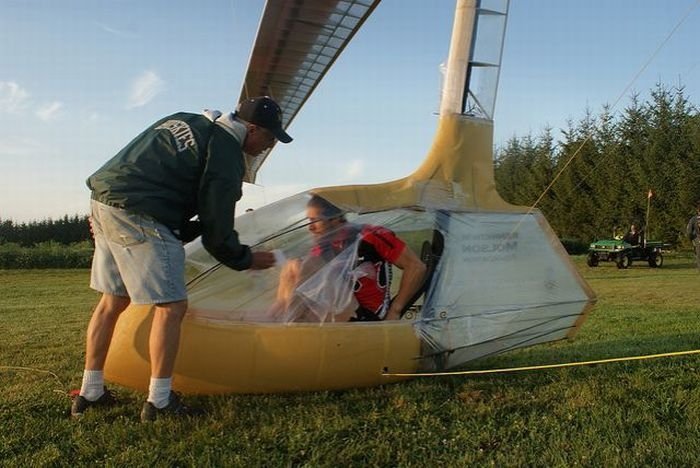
<point x="297" y="43"/>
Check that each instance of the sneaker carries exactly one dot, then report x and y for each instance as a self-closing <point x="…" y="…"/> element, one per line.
<point x="80" y="403"/>
<point x="175" y="407"/>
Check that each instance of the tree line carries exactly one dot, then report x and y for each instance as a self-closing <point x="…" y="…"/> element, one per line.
<point x="66" y="230"/>
<point x="595" y="179"/>
<point x="608" y="171"/>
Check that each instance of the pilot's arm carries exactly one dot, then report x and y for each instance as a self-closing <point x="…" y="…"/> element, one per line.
<point x="411" y="280"/>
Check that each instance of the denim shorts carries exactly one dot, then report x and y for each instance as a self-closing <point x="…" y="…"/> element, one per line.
<point x="136" y="257"/>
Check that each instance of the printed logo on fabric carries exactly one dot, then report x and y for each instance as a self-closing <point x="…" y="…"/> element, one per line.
<point x="181" y="132"/>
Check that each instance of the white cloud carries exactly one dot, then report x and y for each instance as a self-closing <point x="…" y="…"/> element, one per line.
<point x="144" y="88"/>
<point x="117" y="32"/>
<point x="354" y="169"/>
<point x="13" y="97"/>
<point x="49" y="111"/>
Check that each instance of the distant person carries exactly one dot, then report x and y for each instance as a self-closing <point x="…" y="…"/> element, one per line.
<point x="693" y="231"/>
<point x="633" y="236"/>
<point x="142" y="202"/>
<point x="618" y="234"/>
<point x="378" y="249"/>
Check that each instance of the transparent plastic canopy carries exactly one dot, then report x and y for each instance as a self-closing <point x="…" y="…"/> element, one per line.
<point x="501" y="281"/>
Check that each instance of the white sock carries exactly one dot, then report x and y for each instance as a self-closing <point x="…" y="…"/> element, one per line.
<point x="159" y="392"/>
<point x="93" y="384"/>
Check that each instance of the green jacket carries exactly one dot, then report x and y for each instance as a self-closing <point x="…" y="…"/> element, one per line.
<point x="181" y="166"/>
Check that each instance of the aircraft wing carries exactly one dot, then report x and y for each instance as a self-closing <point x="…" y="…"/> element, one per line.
<point x="297" y="43"/>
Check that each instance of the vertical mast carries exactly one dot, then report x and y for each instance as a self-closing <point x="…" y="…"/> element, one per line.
<point x="458" y="58"/>
<point x="474" y="60"/>
<point x="457" y="172"/>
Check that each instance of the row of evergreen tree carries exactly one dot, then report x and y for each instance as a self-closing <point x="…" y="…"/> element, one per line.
<point x="66" y="230"/>
<point x="599" y="176"/>
<point x="596" y="179"/>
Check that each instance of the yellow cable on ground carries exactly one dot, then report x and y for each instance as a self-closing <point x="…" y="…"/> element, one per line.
<point x="545" y="366"/>
<point x="41" y="371"/>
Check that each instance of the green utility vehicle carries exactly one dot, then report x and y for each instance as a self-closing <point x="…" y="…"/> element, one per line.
<point x="623" y="254"/>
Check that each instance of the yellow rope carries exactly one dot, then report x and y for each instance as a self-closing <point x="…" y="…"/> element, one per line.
<point x="30" y="369"/>
<point x="545" y="366"/>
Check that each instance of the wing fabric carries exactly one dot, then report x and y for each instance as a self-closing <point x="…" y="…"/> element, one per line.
<point x="297" y="43"/>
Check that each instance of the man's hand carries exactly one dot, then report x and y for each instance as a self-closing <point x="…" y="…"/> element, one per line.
<point x="262" y="260"/>
<point x="394" y="312"/>
<point x="289" y="279"/>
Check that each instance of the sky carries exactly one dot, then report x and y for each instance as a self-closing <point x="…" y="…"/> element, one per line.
<point x="80" y="78"/>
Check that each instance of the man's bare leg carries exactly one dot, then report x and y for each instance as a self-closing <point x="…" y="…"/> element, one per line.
<point x="99" y="336"/>
<point x="164" y="342"/>
<point x="164" y="339"/>
<point x="100" y="330"/>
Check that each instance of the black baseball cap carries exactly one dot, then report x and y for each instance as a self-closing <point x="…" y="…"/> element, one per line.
<point x="264" y="112"/>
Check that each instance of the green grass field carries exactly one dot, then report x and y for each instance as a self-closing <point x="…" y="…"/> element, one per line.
<point x="640" y="413"/>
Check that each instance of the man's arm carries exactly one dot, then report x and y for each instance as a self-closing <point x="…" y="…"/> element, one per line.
<point x="411" y="280"/>
<point x="220" y="189"/>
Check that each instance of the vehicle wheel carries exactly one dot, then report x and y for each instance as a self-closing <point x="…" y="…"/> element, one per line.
<point x="656" y="260"/>
<point x="592" y="259"/>
<point x="624" y="261"/>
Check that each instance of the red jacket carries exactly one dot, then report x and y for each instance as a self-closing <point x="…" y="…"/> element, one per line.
<point x="378" y="249"/>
